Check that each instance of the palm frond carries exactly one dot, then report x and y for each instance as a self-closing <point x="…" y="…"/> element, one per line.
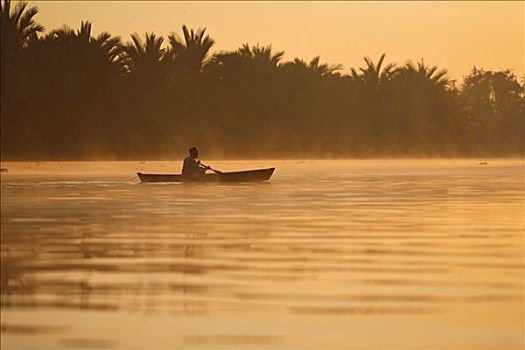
<point x="379" y="64"/>
<point x="84" y="32"/>
<point x="19" y="10"/>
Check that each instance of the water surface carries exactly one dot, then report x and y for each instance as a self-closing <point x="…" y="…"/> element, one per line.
<point x="421" y="254"/>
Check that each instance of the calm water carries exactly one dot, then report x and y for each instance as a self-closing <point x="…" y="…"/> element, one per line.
<point x="423" y="254"/>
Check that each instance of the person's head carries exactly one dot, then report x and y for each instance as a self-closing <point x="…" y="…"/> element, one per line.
<point x="194" y="152"/>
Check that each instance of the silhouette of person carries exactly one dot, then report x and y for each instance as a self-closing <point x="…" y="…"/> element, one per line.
<point x="192" y="166"/>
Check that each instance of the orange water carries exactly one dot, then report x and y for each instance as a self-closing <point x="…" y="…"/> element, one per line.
<point x="413" y="254"/>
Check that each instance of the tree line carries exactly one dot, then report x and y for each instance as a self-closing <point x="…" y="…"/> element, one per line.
<point x="68" y="94"/>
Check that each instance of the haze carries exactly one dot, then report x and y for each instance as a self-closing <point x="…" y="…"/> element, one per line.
<point x="394" y="79"/>
<point x="455" y="35"/>
<point x="362" y="174"/>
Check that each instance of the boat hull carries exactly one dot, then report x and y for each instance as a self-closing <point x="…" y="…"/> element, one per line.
<point x="237" y="176"/>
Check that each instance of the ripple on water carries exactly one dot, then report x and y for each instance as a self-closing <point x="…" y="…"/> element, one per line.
<point x="400" y="245"/>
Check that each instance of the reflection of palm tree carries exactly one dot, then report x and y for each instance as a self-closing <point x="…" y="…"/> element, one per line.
<point x="18" y="27"/>
<point x="374" y="75"/>
<point x="189" y="54"/>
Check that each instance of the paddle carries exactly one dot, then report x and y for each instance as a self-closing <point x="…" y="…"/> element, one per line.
<point x="216" y="171"/>
<point x="209" y="167"/>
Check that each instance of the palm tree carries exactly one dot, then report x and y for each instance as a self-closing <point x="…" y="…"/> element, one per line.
<point x="314" y="67"/>
<point x="260" y="55"/>
<point x="84" y="32"/>
<point x="111" y="46"/>
<point x="17" y="28"/>
<point x="373" y="75"/>
<point x="244" y="62"/>
<point x="190" y="53"/>
<point x="424" y="74"/>
<point x="101" y="51"/>
<point x="143" y="58"/>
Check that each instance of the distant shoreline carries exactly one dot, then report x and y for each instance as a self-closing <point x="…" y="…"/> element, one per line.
<point x="291" y="159"/>
<point x="70" y="95"/>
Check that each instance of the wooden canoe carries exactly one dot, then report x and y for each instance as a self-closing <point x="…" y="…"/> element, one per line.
<point x="237" y="176"/>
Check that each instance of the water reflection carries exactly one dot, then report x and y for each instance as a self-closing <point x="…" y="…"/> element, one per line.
<point x="229" y="340"/>
<point x="29" y="329"/>
<point x="414" y="243"/>
<point x="85" y="343"/>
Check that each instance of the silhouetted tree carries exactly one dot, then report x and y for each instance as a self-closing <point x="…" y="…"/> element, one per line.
<point x="314" y="67"/>
<point x="70" y="94"/>
<point x="495" y="104"/>
<point x="145" y="60"/>
<point x="425" y="110"/>
<point x="374" y="74"/>
<point x="17" y="28"/>
<point x="77" y="74"/>
<point x="371" y="95"/>
<point x="423" y="74"/>
<point x="189" y="54"/>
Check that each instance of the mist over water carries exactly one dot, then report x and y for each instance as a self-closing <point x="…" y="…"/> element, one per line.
<point x="329" y="254"/>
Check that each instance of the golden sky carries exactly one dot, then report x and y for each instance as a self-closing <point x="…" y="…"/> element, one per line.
<point x="453" y="35"/>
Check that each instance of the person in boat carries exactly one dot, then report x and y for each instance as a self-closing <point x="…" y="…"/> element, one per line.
<point x="192" y="166"/>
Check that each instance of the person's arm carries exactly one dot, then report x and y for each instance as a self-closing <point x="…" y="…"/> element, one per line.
<point x="202" y="167"/>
